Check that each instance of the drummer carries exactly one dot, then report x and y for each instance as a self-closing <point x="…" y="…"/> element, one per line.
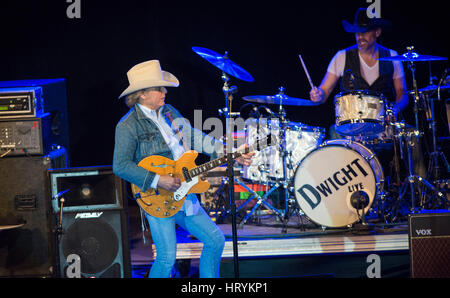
<point x="358" y="68"/>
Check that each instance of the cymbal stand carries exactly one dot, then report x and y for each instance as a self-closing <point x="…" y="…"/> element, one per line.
<point x="434" y="169"/>
<point x="283" y="152"/>
<point x="412" y="68"/>
<point x="413" y="180"/>
<point x="261" y="200"/>
<point x="284" y="214"/>
<point x="228" y="92"/>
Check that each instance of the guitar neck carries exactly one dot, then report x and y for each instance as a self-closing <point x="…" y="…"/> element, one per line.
<point x="260" y="144"/>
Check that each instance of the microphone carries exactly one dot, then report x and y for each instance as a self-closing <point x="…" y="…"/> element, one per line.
<point x="255" y="112"/>
<point x="351" y="83"/>
<point x="268" y="111"/>
<point x="60" y="194"/>
<point x="444" y="76"/>
<point x="231" y="90"/>
<point x="359" y="200"/>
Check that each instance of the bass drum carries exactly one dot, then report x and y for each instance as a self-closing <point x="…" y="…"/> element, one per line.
<point x="330" y="175"/>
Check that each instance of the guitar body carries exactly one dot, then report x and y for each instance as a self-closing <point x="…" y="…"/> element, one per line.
<point x="162" y="203"/>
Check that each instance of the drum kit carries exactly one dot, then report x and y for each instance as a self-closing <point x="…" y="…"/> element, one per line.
<point x="340" y="182"/>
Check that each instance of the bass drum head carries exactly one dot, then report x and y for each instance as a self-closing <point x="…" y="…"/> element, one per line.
<point x="325" y="181"/>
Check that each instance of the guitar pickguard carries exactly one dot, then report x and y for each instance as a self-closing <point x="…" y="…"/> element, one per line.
<point x="184" y="189"/>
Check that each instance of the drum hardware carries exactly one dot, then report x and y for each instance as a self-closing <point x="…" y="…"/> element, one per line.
<point x="228" y="67"/>
<point x="260" y="201"/>
<point x="283" y="152"/>
<point x="280" y="99"/>
<point x="284" y="181"/>
<point x="414" y="180"/>
<point x="410" y="58"/>
<point x="262" y="168"/>
<point x="360" y="200"/>
<point x="434" y="169"/>
<point x="285" y="130"/>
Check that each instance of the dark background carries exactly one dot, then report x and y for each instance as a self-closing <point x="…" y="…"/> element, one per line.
<point x="93" y="54"/>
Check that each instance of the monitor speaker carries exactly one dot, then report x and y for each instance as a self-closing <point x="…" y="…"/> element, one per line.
<point x="94" y="223"/>
<point x="429" y="245"/>
<point x="99" y="241"/>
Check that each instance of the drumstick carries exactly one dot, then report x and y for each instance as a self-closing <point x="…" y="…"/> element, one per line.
<point x="306" y="71"/>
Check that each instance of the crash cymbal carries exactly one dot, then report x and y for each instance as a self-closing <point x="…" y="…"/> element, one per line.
<point x="280" y="99"/>
<point x="412" y="57"/>
<point x="223" y="63"/>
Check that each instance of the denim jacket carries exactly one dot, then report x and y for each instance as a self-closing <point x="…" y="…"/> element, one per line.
<point x="137" y="137"/>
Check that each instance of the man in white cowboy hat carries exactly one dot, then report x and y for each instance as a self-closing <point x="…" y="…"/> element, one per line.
<point x="148" y="129"/>
<point x="358" y="68"/>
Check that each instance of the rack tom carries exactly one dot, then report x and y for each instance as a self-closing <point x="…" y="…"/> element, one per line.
<point x="359" y="112"/>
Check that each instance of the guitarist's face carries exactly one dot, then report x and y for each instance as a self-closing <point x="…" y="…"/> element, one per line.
<point x="153" y="98"/>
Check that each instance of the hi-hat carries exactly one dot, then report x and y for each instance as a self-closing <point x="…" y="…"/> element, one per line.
<point x="412" y="57"/>
<point x="223" y="63"/>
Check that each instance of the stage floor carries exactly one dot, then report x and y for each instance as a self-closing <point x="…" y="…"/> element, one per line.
<point x="265" y="249"/>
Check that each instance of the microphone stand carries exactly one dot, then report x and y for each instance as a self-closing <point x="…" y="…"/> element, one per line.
<point x="58" y="231"/>
<point x="229" y="144"/>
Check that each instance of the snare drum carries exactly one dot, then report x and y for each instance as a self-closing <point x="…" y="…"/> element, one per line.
<point x="359" y="113"/>
<point x="267" y="164"/>
<point x="327" y="178"/>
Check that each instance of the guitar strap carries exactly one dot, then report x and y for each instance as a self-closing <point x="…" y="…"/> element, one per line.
<point x="177" y="131"/>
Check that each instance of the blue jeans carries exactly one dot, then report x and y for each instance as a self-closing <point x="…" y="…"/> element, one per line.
<point x="200" y="226"/>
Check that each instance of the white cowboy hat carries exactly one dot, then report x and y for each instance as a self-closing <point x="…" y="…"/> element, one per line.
<point x="148" y="74"/>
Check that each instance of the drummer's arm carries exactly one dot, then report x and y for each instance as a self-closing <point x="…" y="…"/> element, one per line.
<point x="401" y="94"/>
<point x="322" y="93"/>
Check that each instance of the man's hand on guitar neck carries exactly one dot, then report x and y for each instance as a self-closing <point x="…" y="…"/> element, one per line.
<point x="169" y="183"/>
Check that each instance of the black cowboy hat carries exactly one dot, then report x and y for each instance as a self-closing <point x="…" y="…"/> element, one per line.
<point x="362" y="22"/>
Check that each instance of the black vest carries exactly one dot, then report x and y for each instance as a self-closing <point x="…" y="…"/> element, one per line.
<point x="383" y="84"/>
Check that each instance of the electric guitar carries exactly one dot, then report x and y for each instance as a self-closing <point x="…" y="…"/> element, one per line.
<point x="163" y="203"/>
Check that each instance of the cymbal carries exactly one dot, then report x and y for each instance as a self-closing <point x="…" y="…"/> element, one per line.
<point x="10" y="226"/>
<point x="432" y="88"/>
<point x="412" y="57"/>
<point x="223" y="63"/>
<point x="280" y="99"/>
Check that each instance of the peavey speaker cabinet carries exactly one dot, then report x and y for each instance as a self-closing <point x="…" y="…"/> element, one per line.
<point x="429" y="245"/>
<point x="94" y="240"/>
